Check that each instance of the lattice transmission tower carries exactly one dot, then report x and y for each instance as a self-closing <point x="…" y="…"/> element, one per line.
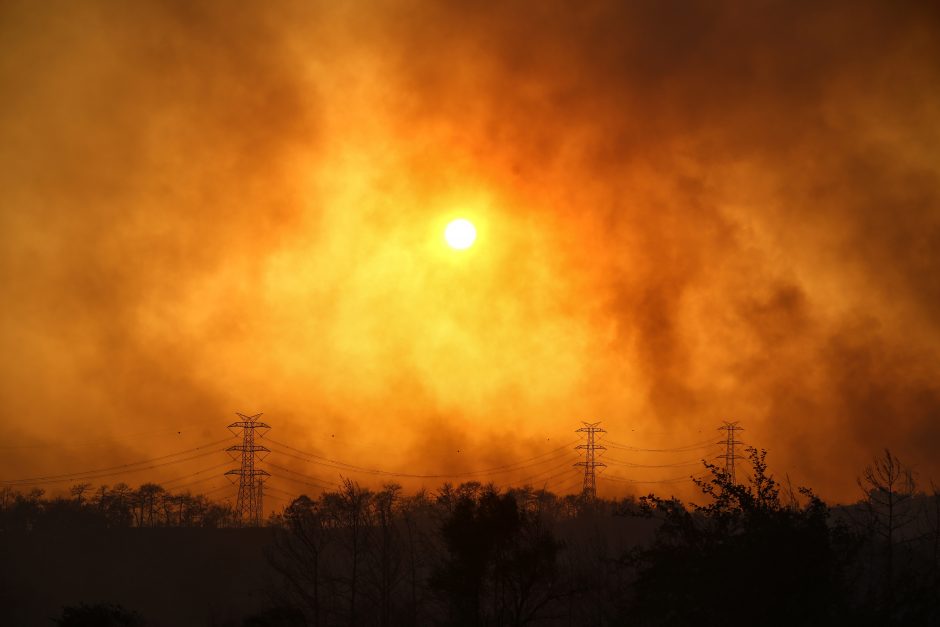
<point x="590" y="463"/>
<point x="731" y="443"/>
<point x="248" y="506"/>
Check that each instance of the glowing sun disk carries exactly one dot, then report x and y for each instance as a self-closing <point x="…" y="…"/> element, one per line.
<point x="460" y="234"/>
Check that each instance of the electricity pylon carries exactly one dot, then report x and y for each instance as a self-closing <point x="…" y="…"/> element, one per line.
<point x="730" y="442"/>
<point x="590" y="463"/>
<point x="248" y="506"/>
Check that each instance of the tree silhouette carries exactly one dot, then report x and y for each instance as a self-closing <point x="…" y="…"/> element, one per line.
<point x="888" y="487"/>
<point x="350" y="512"/>
<point x="389" y="562"/>
<point x="743" y="558"/>
<point x="418" y="515"/>
<point x="299" y="554"/>
<point x="500" y="565"/>
<point x="148" y="495"/>
<point x="78" y="492"/>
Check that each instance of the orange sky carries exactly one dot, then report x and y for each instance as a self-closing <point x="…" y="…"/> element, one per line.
<point x="688" y="212"/>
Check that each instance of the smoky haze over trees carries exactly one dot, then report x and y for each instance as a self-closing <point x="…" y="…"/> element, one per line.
<point x="117" y="506"/>
<point x="474" y="554"/>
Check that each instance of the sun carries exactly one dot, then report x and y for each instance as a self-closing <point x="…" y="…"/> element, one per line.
<point x="460" y="234"/>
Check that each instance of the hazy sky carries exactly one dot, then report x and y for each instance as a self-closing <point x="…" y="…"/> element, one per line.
<point x="688" y="212"/>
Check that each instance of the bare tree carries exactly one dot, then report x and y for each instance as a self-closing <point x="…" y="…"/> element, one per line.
<point x="350" y="511"/>
<point x="299" y="554"/>
<point x="417" y="513"/>
<point x="932" y="532"/>
<point x="888" y="487"/>
<point x="78" y="492"/>
<point x="7" y="497"/>
<point x="121" y="505"/>
<point x="384" y="504"/>
<point x="148" y="496"/>
<point x="101" y="498"/>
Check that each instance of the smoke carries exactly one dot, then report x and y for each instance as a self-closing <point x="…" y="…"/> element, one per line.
<point x="688" y="213"/>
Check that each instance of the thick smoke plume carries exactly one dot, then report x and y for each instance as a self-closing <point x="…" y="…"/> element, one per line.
<point x="689" y="212"/>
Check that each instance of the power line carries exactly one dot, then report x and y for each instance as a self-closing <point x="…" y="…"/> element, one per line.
<point x="312" y="484"/>
<point x="279" y="498"/>
<point x="192" y="483"/>
<point x="111" y="474"/>
<point x="221" y="487"/>
<point x="284" y="492"/>
<point x="562" y="488"/>
<point x="323" y="483"/>
<point x="346" y="466"/>
<point x="632" y="465"/>
<point x="77" y="475"/>
<point x="332" y="463"/>
<point x="318" y="482"/>
<point x="668" y="480"/>
<point x="250" y="485"/>
<point x="704" y="444"/>
<point x="131" y="437"/>
<point x="568" y="469"/>
<point x="548" y="480"/>
<point x="563" y="485"/>
<point x="198" y="472"/>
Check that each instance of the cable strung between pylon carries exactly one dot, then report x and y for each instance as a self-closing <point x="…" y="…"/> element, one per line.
<point x="564" y="487"/>
<point x="109" y="474"/>
<point x="191" y="483"/>
<point x="221" y="487"/>
<point x="565" y="465"/>
<point x="313" y="477"/>
<point x="546" y="480"/>
<point x="119" y="467"/>
<point x="621" y="462"/>
<point x="199" y="494"/>
<point x="337" y="463"/>
<point x="268" y="495"/>
<point x="327" y="482"/>
<point x="524" y="481"/>
<point x="325" y="461"/>
<point x="320" y="487"/>
<point x="268" y="488"/>
<point x="198" y="472"/>
<point x="680" y="449"/>
<point x="669" y="480"/>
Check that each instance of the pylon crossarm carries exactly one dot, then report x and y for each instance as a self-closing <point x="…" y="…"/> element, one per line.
<point x="255" y="448"/>
<point x="248" y="425"/>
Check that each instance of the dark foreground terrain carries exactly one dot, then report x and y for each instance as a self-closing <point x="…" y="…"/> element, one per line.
<point x="171" y="576"/>
<point x="750" y="553"/>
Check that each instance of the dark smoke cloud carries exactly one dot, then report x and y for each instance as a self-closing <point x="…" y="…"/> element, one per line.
<point x="697" y="211"/>
<point x="777" y="160"/>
